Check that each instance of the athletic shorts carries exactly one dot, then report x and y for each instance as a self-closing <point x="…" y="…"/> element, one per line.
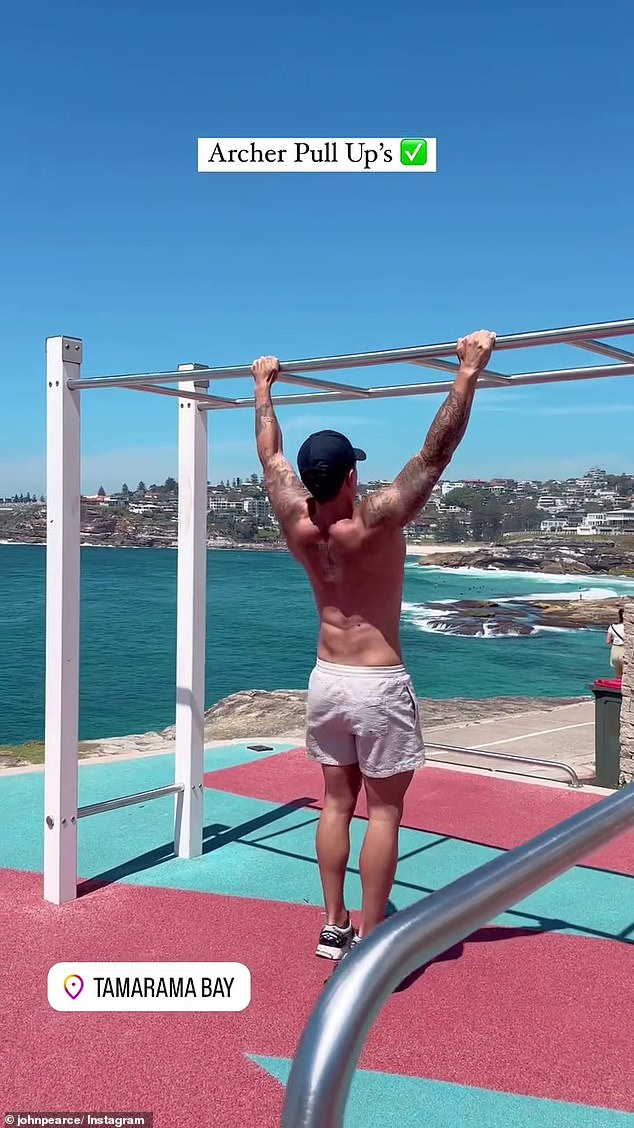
<point x="365" y="715"/>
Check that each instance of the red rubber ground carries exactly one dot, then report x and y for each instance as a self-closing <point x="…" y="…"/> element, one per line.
<point x="491" y="811"/>
<point x="487" y="1015"/>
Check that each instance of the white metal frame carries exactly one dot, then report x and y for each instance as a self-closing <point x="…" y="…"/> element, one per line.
<point x="64" y="387"/>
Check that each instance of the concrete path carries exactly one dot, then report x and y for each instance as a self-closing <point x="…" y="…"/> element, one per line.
<point x="565" y="734"/>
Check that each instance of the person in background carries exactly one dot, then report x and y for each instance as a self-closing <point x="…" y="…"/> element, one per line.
<point x="615" y="638"/>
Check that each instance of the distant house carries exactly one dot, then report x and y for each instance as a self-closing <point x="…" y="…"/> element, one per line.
<point x="618" y="521"/>
<point x="96" y="499"/>
<point x="554" y="526"/>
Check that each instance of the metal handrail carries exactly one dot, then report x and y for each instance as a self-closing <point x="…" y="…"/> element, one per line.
<point x="336" y="1032"/>
<point x="574" y="778"/>
<point x="129" y="800"/>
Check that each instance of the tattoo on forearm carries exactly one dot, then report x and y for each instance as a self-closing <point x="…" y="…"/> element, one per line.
<point x="264" y="417"/>
<point x="447" y="429"/>
<point x="399" y="504"/>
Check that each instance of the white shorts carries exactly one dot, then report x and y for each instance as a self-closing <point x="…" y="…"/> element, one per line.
<point x="365" y="715"/>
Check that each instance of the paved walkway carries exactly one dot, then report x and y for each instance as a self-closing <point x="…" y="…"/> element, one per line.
<point x="522" y="1024"/>
<point x="565" y="734"/>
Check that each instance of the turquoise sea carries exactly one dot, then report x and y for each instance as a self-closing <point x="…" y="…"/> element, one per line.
<point x="261" y="635"/>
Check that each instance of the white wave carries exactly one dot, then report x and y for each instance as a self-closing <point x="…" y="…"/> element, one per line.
<point x="432" y="620"/>
<point x="556" y="630"/>
<point x="579" y="595"/>
<point x="511" y="573"/>
<point x="427" y="619"/>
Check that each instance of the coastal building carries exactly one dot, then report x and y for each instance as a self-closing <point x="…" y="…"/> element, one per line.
<point x="258" y="507"/>
<point x="550" y="504"/>
<point x="220" y="503"/>
<point x="95" y="499"/>
<point x="616" y="521"/>
<point x="554" y="526"/>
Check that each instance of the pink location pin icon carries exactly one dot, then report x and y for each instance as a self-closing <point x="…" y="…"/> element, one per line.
<point x="73" y="985"/>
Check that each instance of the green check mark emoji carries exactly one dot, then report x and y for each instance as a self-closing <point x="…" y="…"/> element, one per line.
<point x="414" y="151"/>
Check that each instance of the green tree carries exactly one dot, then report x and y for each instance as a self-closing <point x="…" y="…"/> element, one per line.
<point x="125" y="490"/>
<point x="486" y="518"/>
<point x="247" y="529"/>
<point x="450" y="531"/>
<point x="101" y="492"/>
<point x="522" y="517"/>
<point x="464" y="497"/>
<point x="141" y="488"/>
<point x="171" y="485"/>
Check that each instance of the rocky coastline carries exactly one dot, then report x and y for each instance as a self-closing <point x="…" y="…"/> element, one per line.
<point x="607" y="558"/>
<point x="518" y="617"/>
<point x="280" y="715"/>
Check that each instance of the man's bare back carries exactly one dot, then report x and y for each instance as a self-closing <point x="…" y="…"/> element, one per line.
<point x="356" y="575"/>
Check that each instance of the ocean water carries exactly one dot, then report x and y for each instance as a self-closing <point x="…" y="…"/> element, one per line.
<point x="261" y="634"/>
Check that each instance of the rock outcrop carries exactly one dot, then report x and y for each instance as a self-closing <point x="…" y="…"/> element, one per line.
<point x="256" y="715"/>
<point x="518" y="617"/>
<point x="563" y="559"/>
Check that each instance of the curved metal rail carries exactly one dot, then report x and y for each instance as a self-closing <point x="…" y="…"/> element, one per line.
<point x="336" y="1032"/>
<point x="574" y="778"/>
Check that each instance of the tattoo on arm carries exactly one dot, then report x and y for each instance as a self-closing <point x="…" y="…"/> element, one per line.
<point x="267" y="431"/>
<point x="285" y="491"/>
<point x="447" y="430"/>
<point x="398" y="504"/>
<point x="287" y="495"/>
<point x="264" y="417"/>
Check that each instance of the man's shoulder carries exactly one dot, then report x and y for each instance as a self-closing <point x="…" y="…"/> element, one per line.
<point x="356" y="536"/>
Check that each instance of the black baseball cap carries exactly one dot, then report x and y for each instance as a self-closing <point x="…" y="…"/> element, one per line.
<point x="323" y="462"/>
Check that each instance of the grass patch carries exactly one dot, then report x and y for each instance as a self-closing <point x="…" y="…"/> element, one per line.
<point x="17" y="754"/>
<point x="32" y="752"/>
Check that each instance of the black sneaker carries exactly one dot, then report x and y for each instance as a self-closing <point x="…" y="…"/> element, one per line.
<point x="334" y="941"/>
<point x="356" y="939"/>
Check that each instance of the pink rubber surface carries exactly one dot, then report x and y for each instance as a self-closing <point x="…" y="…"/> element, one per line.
<point x="492" y="811"/>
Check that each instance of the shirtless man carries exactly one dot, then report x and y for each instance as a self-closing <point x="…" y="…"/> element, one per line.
<point x="363" y="723"/>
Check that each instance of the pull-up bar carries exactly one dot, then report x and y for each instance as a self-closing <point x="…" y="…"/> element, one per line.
<point x="581" y="336"/>
<point x="64" y="388"/>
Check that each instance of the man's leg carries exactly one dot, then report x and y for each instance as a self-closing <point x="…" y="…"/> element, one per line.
<point x="342" y="786"/>
<point x="379" y="853"/>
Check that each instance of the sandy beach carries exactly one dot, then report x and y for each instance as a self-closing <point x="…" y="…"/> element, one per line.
<point x="432" y="548"/>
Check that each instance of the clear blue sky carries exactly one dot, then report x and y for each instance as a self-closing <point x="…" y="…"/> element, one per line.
<point x="107" y="231"/>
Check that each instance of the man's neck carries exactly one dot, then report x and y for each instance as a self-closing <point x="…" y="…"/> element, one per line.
<point x="333" y="511"/>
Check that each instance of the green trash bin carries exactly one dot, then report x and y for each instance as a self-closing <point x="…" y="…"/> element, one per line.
<point x="607" y="732"/>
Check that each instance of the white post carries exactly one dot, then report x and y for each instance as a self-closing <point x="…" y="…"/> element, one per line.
<point x="63" y="500"/>
<point x="191" y="616"/>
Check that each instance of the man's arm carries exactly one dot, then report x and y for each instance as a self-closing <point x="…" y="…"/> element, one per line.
<point x="397" y="505"/>
<point x="287" y="495"/>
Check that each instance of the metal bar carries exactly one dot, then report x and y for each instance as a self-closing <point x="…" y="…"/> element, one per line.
<point x="602" y="371"/>
<point x="332" y="385"/>
<point x="607" y="350"/>
<point x="336" y="1032"/>
<point x="574" y="778"/>
<point x="388" y="356"/>
<point x="127" y="800"/>
<point x="191" y="625"/>
<point x="450" y="366"/>
<point x="63" y="492"/>
<point x="156" y="390"/>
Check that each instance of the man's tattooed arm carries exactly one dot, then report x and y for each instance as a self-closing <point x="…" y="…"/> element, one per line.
<point x="287" y="495"/>
<point x="398" y="504"/>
